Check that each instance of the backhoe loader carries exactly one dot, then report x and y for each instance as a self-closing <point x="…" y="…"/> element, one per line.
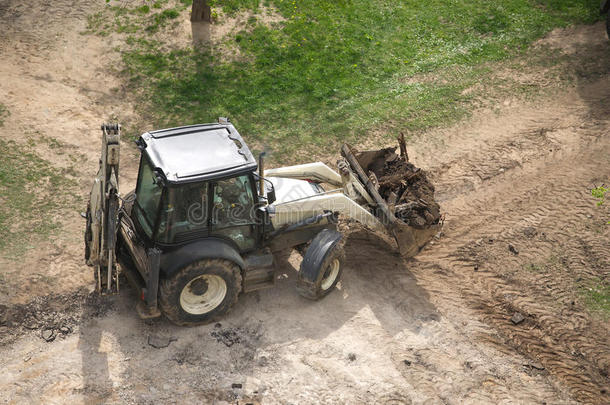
<point x="206" y="218"/>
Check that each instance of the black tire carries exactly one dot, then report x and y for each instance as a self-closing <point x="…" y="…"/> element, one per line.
<point x="315" y="284"/>
<point x="186" y="280"/>
<point x="608" y="24"/>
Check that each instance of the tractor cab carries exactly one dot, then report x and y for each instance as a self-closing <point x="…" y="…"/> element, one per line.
<point x="195" y="182"/>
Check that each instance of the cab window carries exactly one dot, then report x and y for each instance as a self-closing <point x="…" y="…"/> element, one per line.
<point x="148" y="197"/>
<point x="186" y="214"/>
<point x="233" y="211"/>
<point x="233" y="202"/>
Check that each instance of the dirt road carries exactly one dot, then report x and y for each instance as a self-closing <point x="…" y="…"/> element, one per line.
<point x="522" y="235"/>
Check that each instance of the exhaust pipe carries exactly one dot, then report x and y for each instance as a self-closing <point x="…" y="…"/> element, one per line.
<point x="261" y="174"/>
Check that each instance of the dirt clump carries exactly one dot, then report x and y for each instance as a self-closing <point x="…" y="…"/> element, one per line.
<point x="50" y="316"/>
<point x="234" y="335"/>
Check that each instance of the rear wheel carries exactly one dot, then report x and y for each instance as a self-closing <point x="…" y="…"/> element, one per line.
<point x="316" y="286"/>
<point x="200" y="292"/>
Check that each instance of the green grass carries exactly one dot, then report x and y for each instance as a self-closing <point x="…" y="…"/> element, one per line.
<point x="336" y="71"/>
<point x="145" y="18"/>
<point x="596" y="295"/>
<point x="533" y="267"/>
<point x="599" y="193"/>
<point x="33" y="194"/>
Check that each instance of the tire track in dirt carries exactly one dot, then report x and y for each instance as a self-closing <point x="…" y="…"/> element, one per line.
<point x="448" y="365"/>
<point x="544" y="194"/>
<point x="461" y="160"/>
<point x="566" y="333"/>
<point x="50" y="15"/>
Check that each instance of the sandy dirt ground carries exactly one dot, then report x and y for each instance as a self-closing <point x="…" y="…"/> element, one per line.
<point x="522" y="235"/>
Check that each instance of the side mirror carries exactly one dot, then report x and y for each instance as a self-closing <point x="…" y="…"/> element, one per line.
<point x="271" y="194"/>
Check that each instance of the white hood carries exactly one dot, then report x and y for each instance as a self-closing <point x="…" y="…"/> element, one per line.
<point x="293" y="189"/>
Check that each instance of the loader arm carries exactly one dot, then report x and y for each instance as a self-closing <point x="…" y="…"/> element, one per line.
<point x="357" y="199"/>
<point x="316" y="171"/>
<point x="320" y="172"/>
<point x="294" y="211"/>
<point x="102" y="214"/>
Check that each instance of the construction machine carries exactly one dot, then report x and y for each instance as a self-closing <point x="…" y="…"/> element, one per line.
<point x="206" y="218"/>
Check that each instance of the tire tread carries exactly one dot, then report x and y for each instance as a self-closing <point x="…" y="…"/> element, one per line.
<point x="170" y="289"/>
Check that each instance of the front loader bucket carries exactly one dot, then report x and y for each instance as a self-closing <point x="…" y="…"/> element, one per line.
<point x="410" y="239"/>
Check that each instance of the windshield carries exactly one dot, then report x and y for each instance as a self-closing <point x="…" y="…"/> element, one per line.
<point x="148" y="196"/>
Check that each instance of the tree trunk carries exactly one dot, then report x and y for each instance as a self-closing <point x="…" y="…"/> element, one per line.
<point x="201" y="11"/>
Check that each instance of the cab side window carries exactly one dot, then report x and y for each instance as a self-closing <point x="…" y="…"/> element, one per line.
<point x="186" y="214"/>
<point x="233" y="202"/>
<point x="233" y="211"/>
<point x="191" y="206"/>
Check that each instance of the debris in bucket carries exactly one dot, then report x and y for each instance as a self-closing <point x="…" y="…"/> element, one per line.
<point x="406" y="188"/>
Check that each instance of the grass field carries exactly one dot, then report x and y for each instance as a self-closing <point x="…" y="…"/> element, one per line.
<point x="33" y="194"/>
<point x="332" y="71"/>
<point x="596" y="295"/>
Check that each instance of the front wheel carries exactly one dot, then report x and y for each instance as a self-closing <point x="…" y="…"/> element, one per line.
<point x="317" y="283"/>
<point x="200" y="292"/>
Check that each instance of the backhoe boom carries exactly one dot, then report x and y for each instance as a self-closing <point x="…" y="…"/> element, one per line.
<point x="102" y="214"/>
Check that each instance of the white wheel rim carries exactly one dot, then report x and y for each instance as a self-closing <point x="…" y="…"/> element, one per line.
<point x="206" y="301"/>
<point x="333" y="271"/>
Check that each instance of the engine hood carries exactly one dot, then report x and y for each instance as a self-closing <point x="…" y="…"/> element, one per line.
<point x="293" y="189"/>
